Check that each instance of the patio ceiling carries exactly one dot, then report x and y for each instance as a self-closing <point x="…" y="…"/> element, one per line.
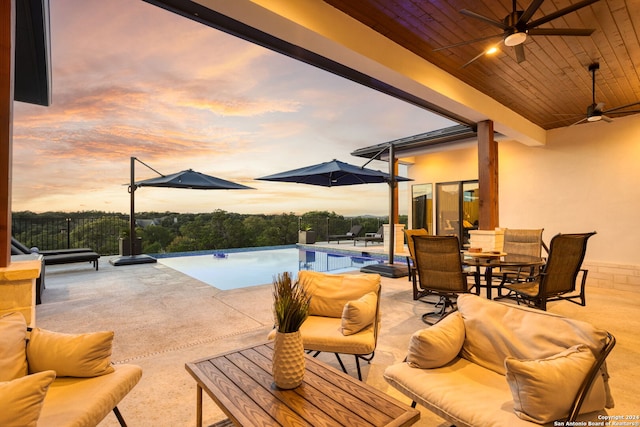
<point x="552" y="88"/>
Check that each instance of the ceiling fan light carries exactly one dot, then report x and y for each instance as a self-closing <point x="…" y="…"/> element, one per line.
<point x="594" y="118"/>
<point x="515" y="39"/>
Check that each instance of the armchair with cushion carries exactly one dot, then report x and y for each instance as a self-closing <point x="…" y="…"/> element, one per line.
<point x="344" y="315"/>
<point x="54" y="379"/>
<point x="496" y="364"/>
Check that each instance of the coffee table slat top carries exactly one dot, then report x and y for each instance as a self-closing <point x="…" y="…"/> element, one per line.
<point x="241" y="383"/>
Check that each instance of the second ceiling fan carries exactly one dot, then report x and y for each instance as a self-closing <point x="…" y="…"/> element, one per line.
<point x="517" y="26"/>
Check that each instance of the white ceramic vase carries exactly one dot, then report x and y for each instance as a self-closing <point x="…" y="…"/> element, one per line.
<point x="288" y="360"/>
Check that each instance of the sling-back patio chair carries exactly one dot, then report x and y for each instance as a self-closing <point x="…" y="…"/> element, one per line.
<point x="520" y="245"/>
<point x="440" y="272"/>
<point x="557" y="280"/>
<point x="411" y="261"/>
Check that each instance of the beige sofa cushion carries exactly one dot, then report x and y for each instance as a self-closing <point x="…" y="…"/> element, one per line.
<point x="330" y="292"/>
<point x="21" y="399"/>
<point x="70" y="355"/>
<point x="325" y="334"/>
<point x="437" y="345"/>
<point x="73" y="402"/>
<point x="543" y="390"/>
<point x="495" y="331"/>
<point x="359" y="314"/>
<point x="13" y="335"/>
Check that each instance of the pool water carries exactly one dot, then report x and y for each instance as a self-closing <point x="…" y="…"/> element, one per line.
<point x="232" y="270"/>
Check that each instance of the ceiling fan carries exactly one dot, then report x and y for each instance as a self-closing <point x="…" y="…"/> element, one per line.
<point x="594" y="111"/>
<point x="517" y="26"/>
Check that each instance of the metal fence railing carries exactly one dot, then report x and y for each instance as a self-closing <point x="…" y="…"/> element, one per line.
<point x="103" y="233"/>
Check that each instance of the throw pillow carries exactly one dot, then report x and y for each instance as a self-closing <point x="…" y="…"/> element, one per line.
<point x="13" y="342"/>
<point x="21" y="399"/>
<point x="81" y="355"/>
<point x="543" y="390"/>
<point x="359" y="314"/>
<point x="437" y="345"/>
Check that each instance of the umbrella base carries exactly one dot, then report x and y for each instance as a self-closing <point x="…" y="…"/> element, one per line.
<point x="132" y="259"/>
<point x="387" y="270"/>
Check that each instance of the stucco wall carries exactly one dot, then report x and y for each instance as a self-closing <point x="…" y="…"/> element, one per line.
<point x="586" y="178"/>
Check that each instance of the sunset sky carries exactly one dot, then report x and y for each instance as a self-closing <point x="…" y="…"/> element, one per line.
<point x="131" y="79"/>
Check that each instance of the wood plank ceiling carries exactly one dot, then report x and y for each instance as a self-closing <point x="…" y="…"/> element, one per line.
<point x="553" y="86"/>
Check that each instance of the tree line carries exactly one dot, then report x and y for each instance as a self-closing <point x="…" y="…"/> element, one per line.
<point x="179" y="232"/>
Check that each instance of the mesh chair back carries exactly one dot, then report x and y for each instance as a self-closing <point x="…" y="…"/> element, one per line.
<point x="439" y="264"/>
<point x="525" y="243"/>
<point x="410" y="234"/>
<point x="566" y="254"/>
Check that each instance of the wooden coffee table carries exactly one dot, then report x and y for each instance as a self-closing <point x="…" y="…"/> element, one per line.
<point x="241" y="383"/>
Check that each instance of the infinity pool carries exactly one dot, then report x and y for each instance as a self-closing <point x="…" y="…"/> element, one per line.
<point x="231" y="270"/>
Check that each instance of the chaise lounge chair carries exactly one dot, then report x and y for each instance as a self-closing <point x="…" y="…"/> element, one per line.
<point x="350" y="235"/>
<point x="376" y="237"/>
<point x="60" y="256"/>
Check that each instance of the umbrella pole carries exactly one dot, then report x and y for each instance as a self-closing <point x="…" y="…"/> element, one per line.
<point x="392" y="203"/>
<point x="389" y="269"/>
<point x="132" y="220"/>
<point x="132" y="258"/>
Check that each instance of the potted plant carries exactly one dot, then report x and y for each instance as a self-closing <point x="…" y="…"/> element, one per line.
<point x="291" y="309"/>
<point x="306" y="235"/>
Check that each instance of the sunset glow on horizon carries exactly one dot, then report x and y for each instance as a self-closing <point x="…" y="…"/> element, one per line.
<point x="131" y="79"/>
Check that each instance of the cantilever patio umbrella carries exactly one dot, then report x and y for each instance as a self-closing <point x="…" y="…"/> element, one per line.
<point x="185" y="179"/>
<point x="336" y="173"/>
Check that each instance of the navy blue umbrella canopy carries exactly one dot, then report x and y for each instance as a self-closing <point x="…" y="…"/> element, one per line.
<point x="191" y="179"/>
<point x="332" y="174"/>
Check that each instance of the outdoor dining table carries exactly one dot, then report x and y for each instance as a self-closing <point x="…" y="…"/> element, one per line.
<point x="491" y="260"/>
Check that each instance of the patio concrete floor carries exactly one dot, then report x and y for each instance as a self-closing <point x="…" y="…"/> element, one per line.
<point x="163" y="319"/>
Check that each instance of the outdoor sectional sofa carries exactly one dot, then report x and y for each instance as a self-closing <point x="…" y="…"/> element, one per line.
<point x="493" y="364"/>
<point x="59" y="380"/>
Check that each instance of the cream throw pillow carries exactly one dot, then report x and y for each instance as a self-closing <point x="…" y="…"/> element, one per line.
<point x="81" y="355"/>
<point x="13" y="342"/>
<point x="543" y="390"/>
<point x="437" y="345"/>
<point x="21" y="399"/>
<point x="359" y="314"/>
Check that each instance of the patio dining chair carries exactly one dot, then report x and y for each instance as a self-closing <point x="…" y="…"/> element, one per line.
<point x="411" y="261"/>
<point x="557" y="280"/>
<point x="520" y="245"/>
<point x="439" y="270"/>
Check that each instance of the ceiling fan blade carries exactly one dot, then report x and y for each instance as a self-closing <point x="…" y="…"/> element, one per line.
<point x="468" y="42"/>
<point x="560" y="13"/>
<point x="610" y="110"/>
<point x="483" y="18"/>
<point x="599" y="107"/>
<point x="624" y="112"/>
<point x="578" y="122"/>
<point x="533" y="8"/>
<point x="519" y="53"/>
<point x="560" y="32"/>
<point x="473" y="60"/>
<point x="606" y="119"/>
